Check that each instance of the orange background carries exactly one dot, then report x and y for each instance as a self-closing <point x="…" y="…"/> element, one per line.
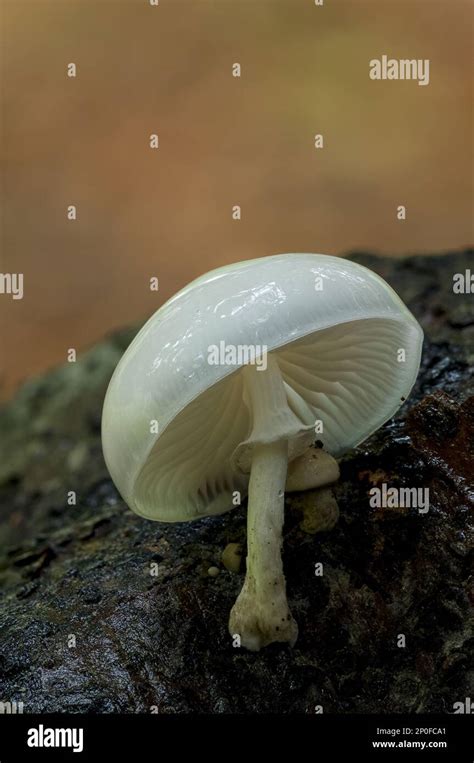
<point x="223" y="141"/>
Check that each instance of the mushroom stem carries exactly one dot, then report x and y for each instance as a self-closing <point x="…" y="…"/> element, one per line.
<point x="261" y="614"/>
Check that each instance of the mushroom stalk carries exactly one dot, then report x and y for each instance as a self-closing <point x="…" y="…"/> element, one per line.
<point x="261" y="614"/>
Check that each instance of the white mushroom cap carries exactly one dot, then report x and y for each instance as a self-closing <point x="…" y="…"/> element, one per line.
<point x="336" y="348"/>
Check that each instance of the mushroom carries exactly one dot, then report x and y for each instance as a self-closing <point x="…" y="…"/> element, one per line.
<point x="225" y="389"/>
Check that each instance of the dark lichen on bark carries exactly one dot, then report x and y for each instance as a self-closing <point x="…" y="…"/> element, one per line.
<point x="161" y="641"/>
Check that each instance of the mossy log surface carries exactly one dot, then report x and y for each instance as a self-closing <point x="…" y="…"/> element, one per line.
<point x="144" y="641"/>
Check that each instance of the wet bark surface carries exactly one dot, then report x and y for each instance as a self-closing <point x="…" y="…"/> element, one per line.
<point x="85" y="626"/>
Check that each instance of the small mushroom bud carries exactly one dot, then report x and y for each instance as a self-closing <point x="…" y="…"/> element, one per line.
<point x="232" y="557"/>
<point x="312" y="469"/>
<point x="320" y="510"/>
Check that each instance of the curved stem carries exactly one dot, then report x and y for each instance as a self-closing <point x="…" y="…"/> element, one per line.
<point x="261" y="614"/>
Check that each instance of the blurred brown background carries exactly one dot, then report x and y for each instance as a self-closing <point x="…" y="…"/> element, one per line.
<point x="223" y="141"/>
